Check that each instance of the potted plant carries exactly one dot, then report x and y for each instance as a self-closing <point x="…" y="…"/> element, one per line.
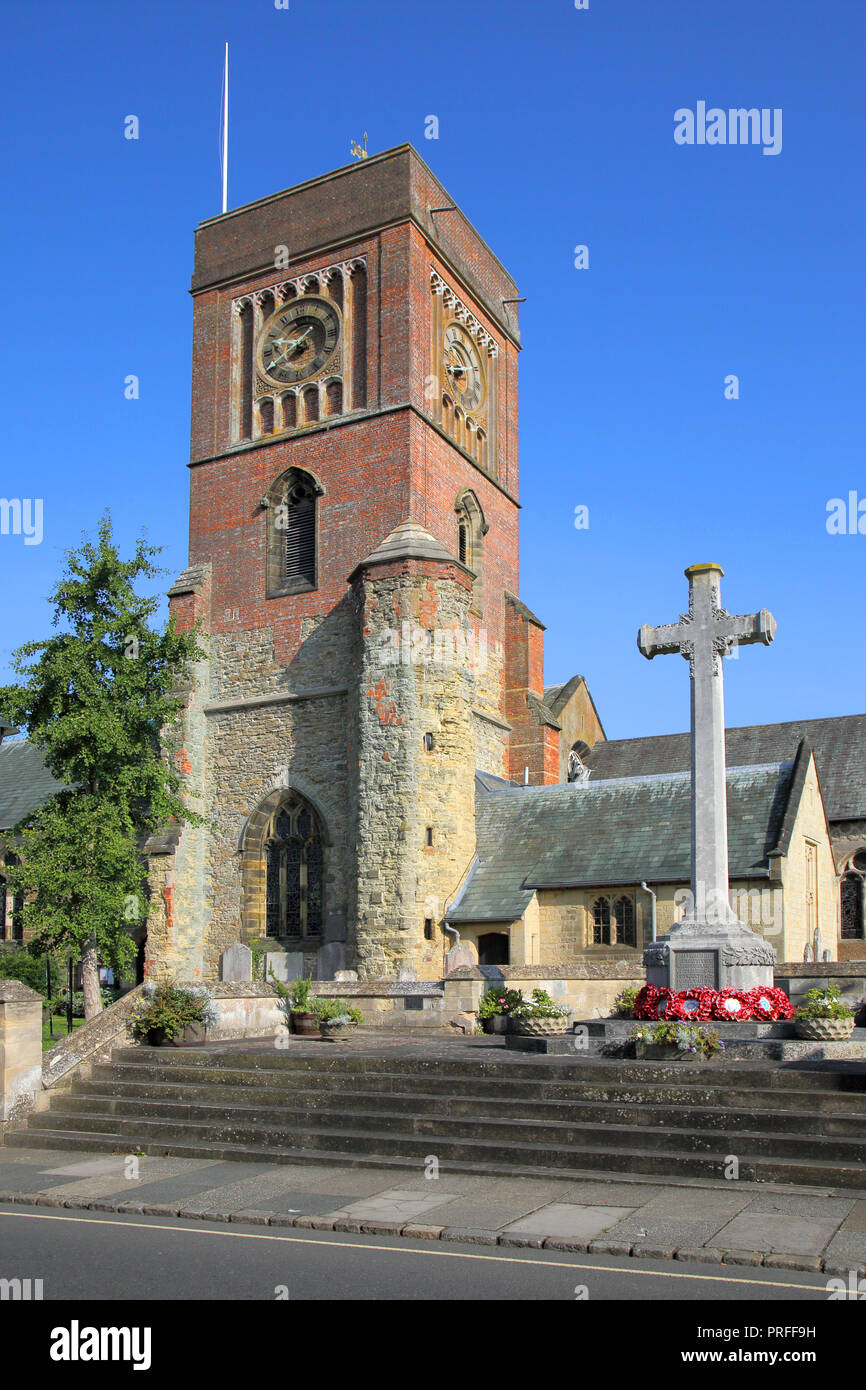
<point x="301" y="1016"/>
<point x="823" y="1017"/>
<point x="336" y="1016"/>
<point x="672" y="1041"/>
<point x="540" y="1016"/>
<point x="496" y="1008"/>
<point x="171" y="1013"/>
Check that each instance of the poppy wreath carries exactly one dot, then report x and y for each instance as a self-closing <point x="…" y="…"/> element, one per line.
<point x="771" y="1004"/>
<point x="741" y="996"/>
<point x="678" y="1007"/>
<point x="644" y="1003"/>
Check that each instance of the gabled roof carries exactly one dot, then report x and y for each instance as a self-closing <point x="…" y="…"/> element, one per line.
<point x="25" y="782"/>
<point x="618" y="831"/>
<point x="839" y="745"/>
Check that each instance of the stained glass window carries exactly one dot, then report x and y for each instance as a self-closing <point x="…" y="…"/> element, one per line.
<point x="295" y="872"/>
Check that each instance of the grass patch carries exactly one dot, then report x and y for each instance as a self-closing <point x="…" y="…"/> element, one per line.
<point x="59" y="1031"/>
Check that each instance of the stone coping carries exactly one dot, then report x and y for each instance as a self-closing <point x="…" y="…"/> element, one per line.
<point x="578" y="970"/>
<point x="847" y="969"/>
<point x="340" y="989"/>
<point x="14" y="992"/>
<point x="91" y="1041"/>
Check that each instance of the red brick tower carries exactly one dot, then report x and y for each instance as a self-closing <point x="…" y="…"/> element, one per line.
<point x="353" y="547"/>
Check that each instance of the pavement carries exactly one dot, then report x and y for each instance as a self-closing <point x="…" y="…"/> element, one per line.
<point x="720" y="1223"/>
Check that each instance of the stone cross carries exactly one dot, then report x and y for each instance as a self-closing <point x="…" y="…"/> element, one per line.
<point x="704" y="636"/>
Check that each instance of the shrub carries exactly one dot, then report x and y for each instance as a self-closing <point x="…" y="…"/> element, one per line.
<point x="539" y="1006"/>
<point x="686" y="1036"/>
<point x="336" y="1011"/>
<point x="823" y="1003"/>
<point x="499" y="1000"/>
<point x="173" y="1008"/>
<point x="624" y="1002"/>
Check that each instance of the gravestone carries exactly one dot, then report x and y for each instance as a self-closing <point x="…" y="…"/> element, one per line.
<point x="236" y="964"/>
<point x="710" y="946"/>
<point x="330" y="959"/>
<point x="286" y="965"/>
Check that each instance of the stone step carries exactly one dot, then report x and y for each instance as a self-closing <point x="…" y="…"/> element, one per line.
<point x="97" y="1097"/>
<point x="287" y="1128"/>
<point x="571" y="1069"/>
<point x="342" y="1075"/>
<point x="358" y="1150"/>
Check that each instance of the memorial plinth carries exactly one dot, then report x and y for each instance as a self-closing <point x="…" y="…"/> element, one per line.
<point x="710" y="947"/>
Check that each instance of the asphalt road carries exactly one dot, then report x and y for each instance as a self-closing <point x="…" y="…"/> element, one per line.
<point x="91" y="1256"/>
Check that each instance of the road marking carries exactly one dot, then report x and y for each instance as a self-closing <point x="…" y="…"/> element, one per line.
<point x="404" y="1250"/>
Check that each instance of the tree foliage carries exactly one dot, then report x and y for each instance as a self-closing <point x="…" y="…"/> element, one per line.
<point x="101" y="699"/>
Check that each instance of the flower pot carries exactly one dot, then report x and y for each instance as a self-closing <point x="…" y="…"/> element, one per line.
<point x="541" y="1027"/>
<point x="156" y="1037"/>
<point x="824" y="1029"/>
<point x="305" y="1025"/>
<point x="502" y="1023"/>
<point x="487" y="1025"/>
<point x="193" y="1035"/>
<point x="334" y="1030"/>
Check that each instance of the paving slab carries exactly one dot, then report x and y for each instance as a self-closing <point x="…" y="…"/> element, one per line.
<point x="776" y="1234"/>
<point x="208" y="1176"/>
<point x="695" y="1204"/>
<point x="847" y="1248"/>
<point x="396" y="1204"/>
<point x="477" y="1214"/>
<point x="567" y="1221"/>
<point x="640" y="1229"/>
<point x="795" y="1204"/>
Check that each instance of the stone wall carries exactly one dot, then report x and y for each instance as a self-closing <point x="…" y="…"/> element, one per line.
<point x="414" y="806"/>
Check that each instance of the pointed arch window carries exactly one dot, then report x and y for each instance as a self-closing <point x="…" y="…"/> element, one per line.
<point x="292" y="534"/>
<point x="11" y="907"/>
<point x="294" y="872"/>
<point x="852" y="891"/>
<point x="614" y="922"/>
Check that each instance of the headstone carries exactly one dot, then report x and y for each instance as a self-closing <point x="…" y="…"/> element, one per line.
<point x="457" y="957"/>
<point x="236" y="964"/>
<point x="807" y="954"/>
<point x="286" y="965"/>
<point x="710" y="945"/>
<point x="330" y="958"/>
<point x="335" y="926"/>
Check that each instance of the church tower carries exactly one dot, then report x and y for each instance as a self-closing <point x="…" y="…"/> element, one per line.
<point x="353" y="567"/>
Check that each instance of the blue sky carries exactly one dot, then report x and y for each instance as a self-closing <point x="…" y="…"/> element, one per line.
<point x="555" y="130"/>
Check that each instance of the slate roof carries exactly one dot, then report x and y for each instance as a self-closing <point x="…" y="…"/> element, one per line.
<point x="610" y="832"/>
<point x="839" y="746"/>
<point x="25" y="782"/>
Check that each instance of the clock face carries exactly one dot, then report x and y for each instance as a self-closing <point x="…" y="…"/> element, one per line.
<point x="298" y="340"/>
<point x="463" y="370"/>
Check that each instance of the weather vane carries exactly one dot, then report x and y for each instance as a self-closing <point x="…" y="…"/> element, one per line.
<point x="358" y="151"/>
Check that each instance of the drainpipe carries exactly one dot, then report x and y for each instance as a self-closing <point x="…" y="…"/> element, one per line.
<point x="653" y="908"/>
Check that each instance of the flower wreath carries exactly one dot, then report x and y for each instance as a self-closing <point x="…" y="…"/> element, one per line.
<point x="652" y="1002"/>
<point x="691" y="1005"/>
<point x="743" y="997"/>
<point x="771" y="1004"/>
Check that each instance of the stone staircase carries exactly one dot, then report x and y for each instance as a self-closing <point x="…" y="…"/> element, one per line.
<point x="540" y="1117"/>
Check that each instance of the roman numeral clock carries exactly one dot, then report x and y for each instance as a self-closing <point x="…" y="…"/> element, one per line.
<point x="299" y="340"/>
<point x="465" y="366"/>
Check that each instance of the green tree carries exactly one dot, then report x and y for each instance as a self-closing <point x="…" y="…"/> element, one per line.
<point x="102" y="701"/>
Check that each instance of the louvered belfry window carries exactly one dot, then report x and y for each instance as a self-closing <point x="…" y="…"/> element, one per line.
<point x="299" y="534"/>
<point x="294" y="872"/>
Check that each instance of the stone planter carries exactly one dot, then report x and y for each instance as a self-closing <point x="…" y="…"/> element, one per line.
<point x="486" y="1025"/>
<point x="502" y="1023"/>
<point x="158" y="1037"/>
<point x="337" y="1030"/>
<point x="541" y="1027"/>
<point x="305" y="1025"/>
<point x="824" y="1029"/>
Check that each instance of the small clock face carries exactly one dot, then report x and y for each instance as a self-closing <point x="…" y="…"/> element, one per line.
<point x="299" y="339"/>
<point x="463" y="369"/>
